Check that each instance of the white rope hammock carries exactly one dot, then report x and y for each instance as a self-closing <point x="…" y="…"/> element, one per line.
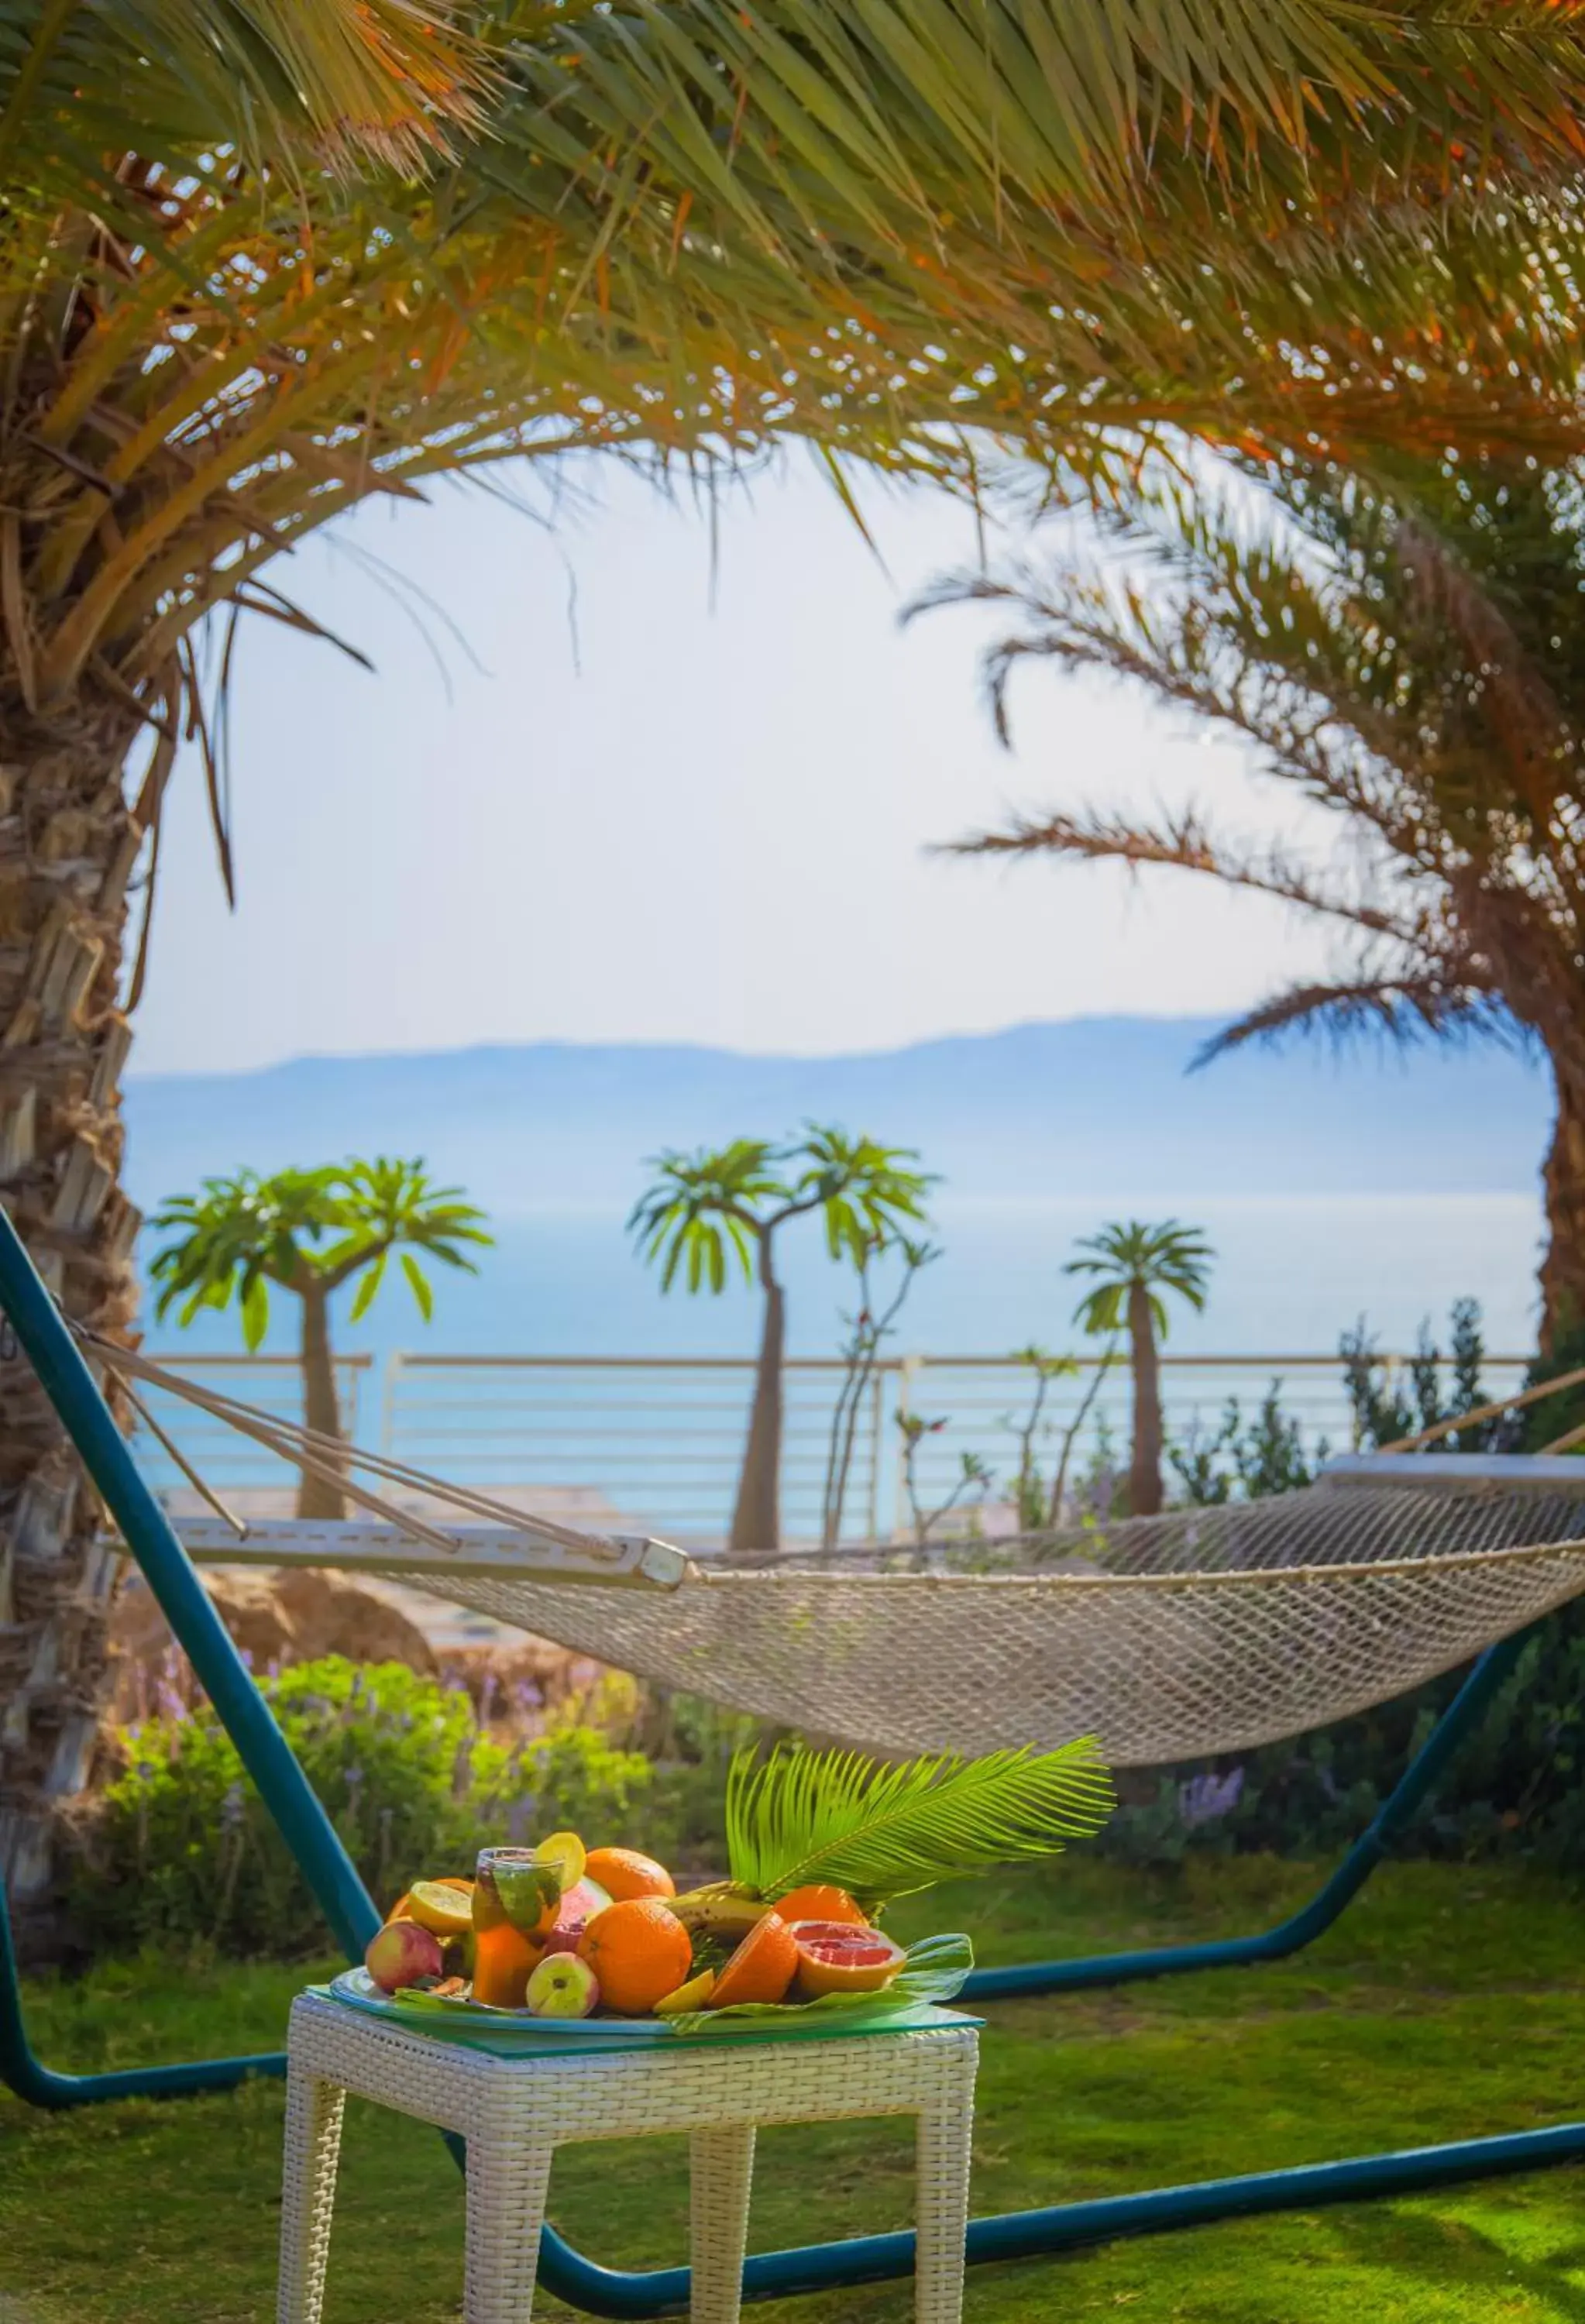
<point x="1170" y="1637"/>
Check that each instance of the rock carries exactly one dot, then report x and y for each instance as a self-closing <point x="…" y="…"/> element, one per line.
<point x="513" y="1687"/>
<point x="296" y="1614"/>
<point x="327" y="1614"/>
<point x="247" y="1605"/>
<point x="281" y="1617"/>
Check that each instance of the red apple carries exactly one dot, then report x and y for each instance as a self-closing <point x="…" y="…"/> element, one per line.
<point x="402" y="1953"/>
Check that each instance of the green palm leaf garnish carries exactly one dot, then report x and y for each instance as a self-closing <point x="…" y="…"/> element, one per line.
<point x="882" y="1832"/>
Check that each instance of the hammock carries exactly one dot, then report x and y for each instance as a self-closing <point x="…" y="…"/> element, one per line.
<point x="1203" y="1630"/>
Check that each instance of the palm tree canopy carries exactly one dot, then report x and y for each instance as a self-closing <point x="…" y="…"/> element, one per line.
<point x="1406" y="649"/>
<point x="1130" y="1255"/>
<point x="686" y="231"/>
<point x="390" y="1206"/>
<point x="238" y="1235"/>
<point x="1024" y="95"/>
<point x="1045" y="221"/>
<point x="1403" y="644"/>
<point x="706" y="1209"/>
<point x="700" y="228"/>
<point x="866" y="1193"/>
<point x="342" y="83"/>
<point x="703" y="1206"/>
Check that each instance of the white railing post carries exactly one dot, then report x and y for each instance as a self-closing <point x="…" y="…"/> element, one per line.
<point x="352" y="1369"/>
<point x="393" y="1374"/>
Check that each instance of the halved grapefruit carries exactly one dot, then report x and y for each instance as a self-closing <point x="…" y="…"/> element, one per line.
<point x="836" y="1957"/>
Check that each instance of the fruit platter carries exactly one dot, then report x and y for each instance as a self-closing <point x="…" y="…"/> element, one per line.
<point x="556" y="1939"/>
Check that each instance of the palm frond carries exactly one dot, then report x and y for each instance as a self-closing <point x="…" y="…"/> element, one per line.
<point x="882" y="1832"/>
<point x="1399" y="1010"/>
<point x="1022" y="105"/>
<point x="1182" y="843"/>
<point x="686" y="231"/>
<point x="390" y="83"/>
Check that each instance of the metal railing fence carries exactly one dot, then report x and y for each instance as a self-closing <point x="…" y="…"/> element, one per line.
<point x="654" y="1443"/>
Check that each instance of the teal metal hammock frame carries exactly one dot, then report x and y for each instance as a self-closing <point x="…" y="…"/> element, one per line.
<point x="584" y="2283"/>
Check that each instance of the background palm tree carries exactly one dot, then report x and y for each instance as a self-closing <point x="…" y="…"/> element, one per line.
<point x="708" y="1210"/>
<point x="1136" y="1265"/>
<point x="259" y="264"/>
<point x="310" y="1232"/>
<point x="1405" y="648"/>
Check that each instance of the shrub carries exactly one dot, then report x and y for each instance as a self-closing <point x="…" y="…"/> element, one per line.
<point x="1385" y="1412"/>
<point x="180" y="1850"/>
<point x="693" y="1743"/>
<point x="1246" y="1459"/>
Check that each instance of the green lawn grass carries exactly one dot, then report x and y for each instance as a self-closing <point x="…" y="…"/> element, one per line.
<point x="1448" y="2003"/>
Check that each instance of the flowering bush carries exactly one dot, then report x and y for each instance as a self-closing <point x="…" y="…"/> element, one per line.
<point x="180" y="1850"/>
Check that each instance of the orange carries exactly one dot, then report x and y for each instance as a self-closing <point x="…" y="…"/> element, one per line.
<point x="640" y="1951"/>
<point x="836" y="1957"/>
<point x="762" y="1968"/>
<point x="820" y="1903"/>
<point x="625" y="1874"/>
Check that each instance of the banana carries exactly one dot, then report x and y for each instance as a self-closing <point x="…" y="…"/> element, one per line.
<point x="721" y="1909"/>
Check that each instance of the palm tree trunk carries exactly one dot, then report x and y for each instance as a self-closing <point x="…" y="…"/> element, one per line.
<point x="315" y="1496"/>
<point x="756" y="1521"/>
<point x="1145" y="1471"/>
<point x="1562" y="1269"/>
<point x="67" y="844"/>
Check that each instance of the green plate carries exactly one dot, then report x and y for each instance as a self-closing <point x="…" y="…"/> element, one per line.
<point x="934" y="1970"/>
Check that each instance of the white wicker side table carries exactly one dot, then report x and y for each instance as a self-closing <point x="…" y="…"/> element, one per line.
<point x="515" y="2111"/>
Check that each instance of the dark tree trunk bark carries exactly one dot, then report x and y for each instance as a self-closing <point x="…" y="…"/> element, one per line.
<point x="67" y="845"/>
<point x="1562" y="1268"/>
<point x="1145" y="1471"/>
<point x="315" y="1496"/>
<point x="756" y="1521"/>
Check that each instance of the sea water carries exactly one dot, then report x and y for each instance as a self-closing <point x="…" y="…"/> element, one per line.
<point x="1290" y="1273"/>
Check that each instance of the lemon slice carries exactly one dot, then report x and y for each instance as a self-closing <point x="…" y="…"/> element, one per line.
<point x="443" y="1912"/>
<point x="694" y="1995"/>
<point x="565" y="1855"/>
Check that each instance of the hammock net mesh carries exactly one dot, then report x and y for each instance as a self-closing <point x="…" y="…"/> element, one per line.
<point x="1177" y="1636"/>
<point x="1171" y="1638"/>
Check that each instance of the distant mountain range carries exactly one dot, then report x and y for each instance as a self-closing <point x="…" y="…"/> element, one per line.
<point x="1098" y="1106"/>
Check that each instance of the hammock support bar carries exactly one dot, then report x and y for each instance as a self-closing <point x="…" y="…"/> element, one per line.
<point x="39" y="2085"/>
<point x="565" y="2273"/>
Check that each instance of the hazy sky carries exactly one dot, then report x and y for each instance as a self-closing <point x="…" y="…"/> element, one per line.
<point x="644" y="803"/>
